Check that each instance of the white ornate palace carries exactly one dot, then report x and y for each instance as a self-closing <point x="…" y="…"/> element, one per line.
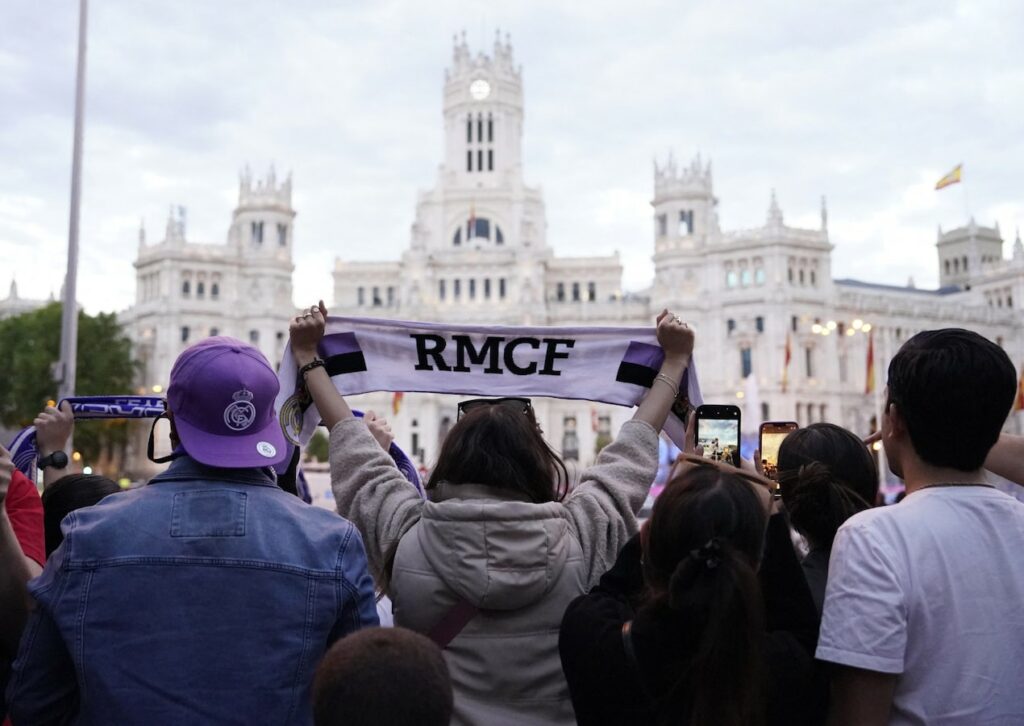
<point x="479" y="253"/>
<point x="186" y="291"/>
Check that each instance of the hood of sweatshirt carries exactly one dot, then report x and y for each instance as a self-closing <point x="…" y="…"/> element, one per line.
<point x="494" y="550"/>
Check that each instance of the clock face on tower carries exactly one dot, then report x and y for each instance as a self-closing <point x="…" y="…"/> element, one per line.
<point x="479" y="89"/>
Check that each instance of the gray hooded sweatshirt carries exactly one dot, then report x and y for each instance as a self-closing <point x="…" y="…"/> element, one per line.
<point x="520" y="563"/>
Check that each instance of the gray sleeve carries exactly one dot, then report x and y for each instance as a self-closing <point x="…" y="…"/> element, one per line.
<point x="370" y="491"/>
<point x="602" y="508"/>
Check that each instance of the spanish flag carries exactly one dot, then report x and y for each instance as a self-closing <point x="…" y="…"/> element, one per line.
<point x="1018" y="402"/>
<point x="785" y="363"/>
<point x="869" y="380"/>
<point x="396" y="402"/>
<point x="952" y="177"/>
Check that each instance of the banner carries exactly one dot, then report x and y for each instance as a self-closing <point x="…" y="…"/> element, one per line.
<point x="363" y="355"/>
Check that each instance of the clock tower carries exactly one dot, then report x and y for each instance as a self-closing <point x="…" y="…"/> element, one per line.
<point x="483" y="116"/>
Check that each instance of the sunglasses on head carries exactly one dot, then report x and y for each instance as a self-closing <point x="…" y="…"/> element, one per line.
<point x="519" y="404"/>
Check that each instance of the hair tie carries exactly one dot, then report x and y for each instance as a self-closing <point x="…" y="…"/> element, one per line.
<point x="710" y="553"/>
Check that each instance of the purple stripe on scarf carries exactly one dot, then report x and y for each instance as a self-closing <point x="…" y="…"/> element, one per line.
<point x="338" y="344"/>
<point x="644" y="354"/>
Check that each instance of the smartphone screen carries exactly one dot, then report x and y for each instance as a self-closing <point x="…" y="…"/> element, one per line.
<point x="773" y="433"/>
<point x="718" y="432"/>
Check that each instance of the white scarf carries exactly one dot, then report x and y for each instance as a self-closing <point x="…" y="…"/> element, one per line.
<point x="610" y="365"/>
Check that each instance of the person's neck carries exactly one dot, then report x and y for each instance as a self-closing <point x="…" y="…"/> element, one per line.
<point x="919" y="475"/>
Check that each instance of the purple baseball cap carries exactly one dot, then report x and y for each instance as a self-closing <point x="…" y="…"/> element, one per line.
<point x="222" y="395"/>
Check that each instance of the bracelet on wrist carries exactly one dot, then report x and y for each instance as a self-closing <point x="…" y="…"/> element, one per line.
<point x="668" y="382"/>
<point x="317" y="362"/>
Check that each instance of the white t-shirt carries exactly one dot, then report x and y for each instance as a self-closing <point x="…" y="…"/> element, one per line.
<point x="932" y="588"/>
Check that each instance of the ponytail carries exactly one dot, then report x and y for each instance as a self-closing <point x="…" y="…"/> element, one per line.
<point x="819" y="502"/>
<point x="715" y="597"/>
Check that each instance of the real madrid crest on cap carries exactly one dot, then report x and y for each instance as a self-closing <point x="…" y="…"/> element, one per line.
<point x="240" y="414"/>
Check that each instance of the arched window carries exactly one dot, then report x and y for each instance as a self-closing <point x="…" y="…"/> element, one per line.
<point x="469" y="129"/>
<point x="965" y="263"/>
<point x="745" y="277"/>
<point x="490" y="127"/>
<point x="947" y="267"/>
<point x="186" y="288"/>
<point x="730" y="278"/>
<point x="480" y="127"/>
<point x="457" y="239"/>
<point x="215" y="291"/>
<point x="490" y="160"/>
<point x="200" y="289"/>
<point x="499" y="238"/>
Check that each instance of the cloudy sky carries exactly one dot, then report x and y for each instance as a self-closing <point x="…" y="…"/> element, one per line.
<point x="867" y="102"/>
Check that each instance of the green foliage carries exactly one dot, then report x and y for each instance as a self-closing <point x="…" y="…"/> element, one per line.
<point x="318" y="446"/>
<point x="602" y="441"/>
<point x="30" y="345"/>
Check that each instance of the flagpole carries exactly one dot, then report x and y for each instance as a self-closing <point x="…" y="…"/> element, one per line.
<point x="69" y="317"/>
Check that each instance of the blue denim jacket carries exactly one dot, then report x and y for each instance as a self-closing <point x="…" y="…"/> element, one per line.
<point x="206" y="597"/>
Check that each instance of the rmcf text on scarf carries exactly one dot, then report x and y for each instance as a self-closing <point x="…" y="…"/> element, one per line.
<point x="493" y="351"/>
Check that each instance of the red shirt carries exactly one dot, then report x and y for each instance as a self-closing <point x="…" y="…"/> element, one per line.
<point x="25" y="510"/>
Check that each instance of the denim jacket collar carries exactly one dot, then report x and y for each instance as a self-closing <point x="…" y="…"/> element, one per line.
<point x="185" y="468"/>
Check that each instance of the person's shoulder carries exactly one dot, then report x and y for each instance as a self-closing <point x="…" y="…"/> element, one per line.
<point x="21" y="492"/>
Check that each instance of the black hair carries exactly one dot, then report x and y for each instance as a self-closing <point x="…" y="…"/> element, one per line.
<point x="701" y="555"/>
<point x="67" y="494"/>
<point x="382" y="676"/>
<point x="954" y="390"/>
<point x="826" y="475"/>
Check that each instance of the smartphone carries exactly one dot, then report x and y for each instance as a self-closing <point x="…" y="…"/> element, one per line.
<point x="770" y="439"/>
<point x="718" y="431"/>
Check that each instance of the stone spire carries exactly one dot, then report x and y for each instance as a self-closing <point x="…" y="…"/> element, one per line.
<point x="824" y="214"/>
<point x="774" y="213"/>
<point x="1018" y="249"/>
<point x="13" y="295"/>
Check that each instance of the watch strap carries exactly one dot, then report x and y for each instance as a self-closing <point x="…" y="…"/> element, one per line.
<point x="57" y="459"/>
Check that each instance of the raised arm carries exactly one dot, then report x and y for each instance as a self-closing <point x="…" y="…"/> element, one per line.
<point x="306" y="332"/>
<point x="602" y="509"/>
<point x="54" y="427"/>
<point x="368" y="488"/>
<point x="676" y="339"/>
<point x="1006" y="458"/>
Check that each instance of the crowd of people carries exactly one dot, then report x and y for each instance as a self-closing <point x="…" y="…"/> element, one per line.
<point x="214" y="595"/>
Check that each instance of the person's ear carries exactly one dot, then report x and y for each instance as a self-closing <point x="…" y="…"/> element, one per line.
<point x="897" y="424"/>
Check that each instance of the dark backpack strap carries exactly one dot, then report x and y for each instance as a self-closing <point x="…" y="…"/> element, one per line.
<point x="452" y="623"/>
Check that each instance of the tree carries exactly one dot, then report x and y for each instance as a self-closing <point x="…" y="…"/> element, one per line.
<point x="30" y="345"/>
<point x="318" y="447"/>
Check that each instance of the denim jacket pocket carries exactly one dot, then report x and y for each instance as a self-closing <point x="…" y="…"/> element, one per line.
<point x="216" y="513"/>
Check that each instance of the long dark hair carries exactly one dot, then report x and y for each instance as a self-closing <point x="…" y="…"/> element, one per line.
<point x="498" y="446"/>
<point x="701" y="555"/>
<point x="501" y="446"/>
<point x="826" y="475"/>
